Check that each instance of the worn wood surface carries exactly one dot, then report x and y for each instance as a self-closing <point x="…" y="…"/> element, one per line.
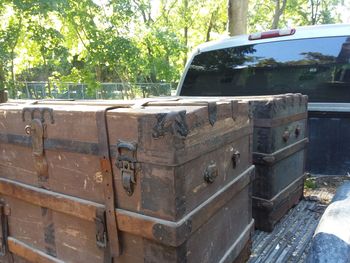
<point x="279" y="143"/>
<point x="179" y="144"/>
<point x="268" y="212"/>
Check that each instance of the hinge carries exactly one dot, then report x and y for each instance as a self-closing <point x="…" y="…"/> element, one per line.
<point x="4" y="212"/>
<point x="101" y="229"/>
<point x="236" y="157"/>
<point x="126" y="162"/>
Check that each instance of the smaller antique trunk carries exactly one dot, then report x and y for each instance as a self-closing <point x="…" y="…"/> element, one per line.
<point x="159" y="180"/>
<point x="279" y="143"/>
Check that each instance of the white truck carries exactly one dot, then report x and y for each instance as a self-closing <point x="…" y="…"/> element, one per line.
<point x="314" y="61"/>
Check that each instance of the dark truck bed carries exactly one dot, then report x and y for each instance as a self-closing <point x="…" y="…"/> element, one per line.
<point x="291" y="239"/>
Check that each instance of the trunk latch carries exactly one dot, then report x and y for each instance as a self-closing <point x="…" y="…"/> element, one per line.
<point x="37" y="131"/>
<point x="126" y="162"/>
<point x="4" y="212"/>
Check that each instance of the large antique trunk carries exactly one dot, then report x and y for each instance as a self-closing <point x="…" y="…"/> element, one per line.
<point x="279" y="151"/>
<point x="152" y="181"/>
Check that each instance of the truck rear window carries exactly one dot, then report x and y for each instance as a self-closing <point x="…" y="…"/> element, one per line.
<point x="318" y="67"/>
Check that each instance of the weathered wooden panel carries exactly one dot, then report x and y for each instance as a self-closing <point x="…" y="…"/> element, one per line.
<point x="279" y="142"/>
<point x="160" y="179"/>
<point x="272" y="179"/>
<point x="268" y="212"/>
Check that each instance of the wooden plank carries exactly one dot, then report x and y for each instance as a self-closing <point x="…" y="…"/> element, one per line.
<point x="271" y="159"/>
<point x="269" y="123"/>
<point x="175" y="233"/>
<point x="166" y="232"/>
<point x="52" y="144"/>
<point x="285" y="193"/>
<point x="72" y="174"/>
<point x="28" y="253"/>
<point x="62" y="203"/>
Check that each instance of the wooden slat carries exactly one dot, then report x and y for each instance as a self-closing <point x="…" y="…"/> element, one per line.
<point x="270" y="123"/>
<point x="52" y="144"/>
<point x="31" y="254"/>
<point x="285" y="193"/>
<point x="175" y="233"/>
<point x="271" y="159"/>
<point x="163" y="231"/>
<point x="58" y="202"/>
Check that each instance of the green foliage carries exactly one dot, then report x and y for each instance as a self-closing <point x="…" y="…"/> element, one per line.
<point x="310" y="183"/>
<point x="128" y="41"/>
<point x="296" y="13"/>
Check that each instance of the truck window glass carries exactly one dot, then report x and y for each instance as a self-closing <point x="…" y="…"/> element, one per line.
<point x="318" y="67"/>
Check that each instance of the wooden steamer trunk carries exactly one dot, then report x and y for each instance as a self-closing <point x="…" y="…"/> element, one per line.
<point x="279" y="149"/>
<point x="159" y="181"/>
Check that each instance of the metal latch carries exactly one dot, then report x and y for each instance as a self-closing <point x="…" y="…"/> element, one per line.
<point x="236" y="158"/>
<point x="286" y="135"/>
<point x="211" y="172"/>
<point x="126" y="162"/>
<point x="37" y="131"/>
<point x="101" y="230"/>
<point x="4" y="212"/>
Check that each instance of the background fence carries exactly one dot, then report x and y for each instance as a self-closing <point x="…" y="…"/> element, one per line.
<point x="81" y="91"/>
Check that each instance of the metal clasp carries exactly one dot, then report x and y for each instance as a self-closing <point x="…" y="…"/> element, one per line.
<point x="126" y="162"/>
<point x="210" y="173"/>
<point x="236" y="158"/>
<point x="4" y="212"/>
<point x="37" y="127"/>
<point x="37" y="131"/>
<point x="101" y="230"/>
<point x="297" y="131"/>
<point x="286" y="135"/>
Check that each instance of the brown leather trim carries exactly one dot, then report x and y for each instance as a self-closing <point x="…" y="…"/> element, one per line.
<point x="108" y="182"/>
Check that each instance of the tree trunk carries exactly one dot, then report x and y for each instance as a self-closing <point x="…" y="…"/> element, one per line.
<point x="237" y="11"/>
<point x="3" y="96"/>
<point x="185" y="42"/>
<point x="278" y="12"/>
<point x="2" y="77"/>
<point x="185" y="6"/>
<point x="210" y="26"/>
<point x="314" y="11"/>
<point x="47" y="74"/>
<point x="13" y="78"/>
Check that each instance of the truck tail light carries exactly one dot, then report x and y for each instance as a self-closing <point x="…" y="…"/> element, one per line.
<point x="272" y="33"/>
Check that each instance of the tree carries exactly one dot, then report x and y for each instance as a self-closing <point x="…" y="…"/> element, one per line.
<point x="9" y="34"/>
<point x="279" y="9"/>
<point x="237" y="17"/>
<point x="129" y="40"/>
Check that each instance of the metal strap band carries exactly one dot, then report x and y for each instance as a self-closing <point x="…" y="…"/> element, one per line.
<point x="282" y="195"/>
<point x="270" y="159"/>
<point x="92" y="148"/>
